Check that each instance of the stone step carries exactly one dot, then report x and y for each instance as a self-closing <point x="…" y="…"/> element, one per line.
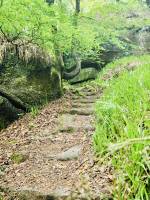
<point x="70" y="154"/>
<point x="82" y="105"/>
<point x="85" y="93"/>
<point x="86" y="97"/>
<point x="73" y="123"/>
<point x="88" y="93"/>
<point x="81" y="111"/>
<point x="84" y="101"/>
<point x="33" y="194"/>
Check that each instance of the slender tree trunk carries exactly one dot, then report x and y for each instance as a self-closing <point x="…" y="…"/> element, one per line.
<point x="148" y="2"/>
<point x="50" y="1"/>
<point x="77" y="6"/>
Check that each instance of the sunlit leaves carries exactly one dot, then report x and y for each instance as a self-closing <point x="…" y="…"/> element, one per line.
<point x="53" y="28"/>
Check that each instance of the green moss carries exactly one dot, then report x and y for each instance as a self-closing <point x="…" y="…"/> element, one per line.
<point x="84" y="75"/>
<point x="1" y="100"/>
<point x="18" y="158"/>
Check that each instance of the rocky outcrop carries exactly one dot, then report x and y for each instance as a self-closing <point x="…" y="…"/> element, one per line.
<point x="141" y="39"/>
<point x="23" y="86"/>
<point x="84" y="75"/>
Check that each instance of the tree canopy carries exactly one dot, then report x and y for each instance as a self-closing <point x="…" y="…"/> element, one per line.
<point x="52" y="27"/>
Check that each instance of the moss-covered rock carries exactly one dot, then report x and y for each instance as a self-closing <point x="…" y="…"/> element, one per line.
<point x="33" y="85"/>
<point x="84" y="75"/>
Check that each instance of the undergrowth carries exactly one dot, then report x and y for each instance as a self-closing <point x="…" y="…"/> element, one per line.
<point x="123" y="128"/>
<point x="121" y="64"/>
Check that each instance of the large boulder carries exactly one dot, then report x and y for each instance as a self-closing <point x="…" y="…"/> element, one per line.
<point x="32" y="85"/>
<point x="141" y="39"/>
<point x="84" y="75"/>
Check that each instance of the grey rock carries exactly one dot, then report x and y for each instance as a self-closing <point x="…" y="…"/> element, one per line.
<point x="73" y="123"/>
<point x="61" y="192"/>
<point x="85" y="101"/>
<point x="26" y="193"/>
<point x="81" y="105"/>
<point x="83" y="111"/>
<point x="70" y="154"/>
<point x="84" y="75"/>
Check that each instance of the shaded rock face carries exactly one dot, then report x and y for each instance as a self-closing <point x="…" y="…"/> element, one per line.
<point x="33" y="85"/>
<point x="141" y="39"/>
<point x="112" y="52"/>
<point x="8" y="113"/>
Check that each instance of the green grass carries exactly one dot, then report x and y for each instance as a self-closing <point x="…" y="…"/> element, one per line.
<point x="123" y="129"/>
<point x="120" y="63"/>
<point x="34" y="111"/>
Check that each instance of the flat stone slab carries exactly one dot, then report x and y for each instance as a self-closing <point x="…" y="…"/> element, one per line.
<point x="82" y="105"/>
<point x="84" y="75"/>
<point x="70" y="154"/>
<point x="82" y="111"/>
<point x="89" y="93"/>
<point x="32" y="194"/>
<point x="84" y="101"/>
<point x="73" y="123"/>
<point x="88" y="97"/>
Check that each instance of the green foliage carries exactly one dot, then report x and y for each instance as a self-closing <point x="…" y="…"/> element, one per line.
<point x="53" y="29"/>
<point x="122" y="131"/>
<point x="34" y="111"/>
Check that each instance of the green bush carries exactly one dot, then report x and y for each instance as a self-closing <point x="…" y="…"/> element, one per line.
<point x="123" y="132"/>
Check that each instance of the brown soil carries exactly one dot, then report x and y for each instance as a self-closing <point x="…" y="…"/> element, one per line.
<point x="60" y="126"/>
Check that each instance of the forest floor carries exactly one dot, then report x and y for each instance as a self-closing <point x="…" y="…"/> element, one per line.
<point x="50" y="155"/>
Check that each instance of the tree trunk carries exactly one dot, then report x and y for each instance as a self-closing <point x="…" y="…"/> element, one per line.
<point x="148" y="2"/>
<point x="77" y="6"/>
<point x="50" y="1"/>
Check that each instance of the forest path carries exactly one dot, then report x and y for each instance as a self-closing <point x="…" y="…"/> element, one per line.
<point x="51" y="156"/>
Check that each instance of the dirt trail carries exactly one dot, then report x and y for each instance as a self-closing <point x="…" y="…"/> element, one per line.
<point x="51" y="156"/>
<point x="55" y="154"/>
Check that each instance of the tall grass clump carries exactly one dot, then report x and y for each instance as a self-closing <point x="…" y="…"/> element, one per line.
<point x="123" y="132"/>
